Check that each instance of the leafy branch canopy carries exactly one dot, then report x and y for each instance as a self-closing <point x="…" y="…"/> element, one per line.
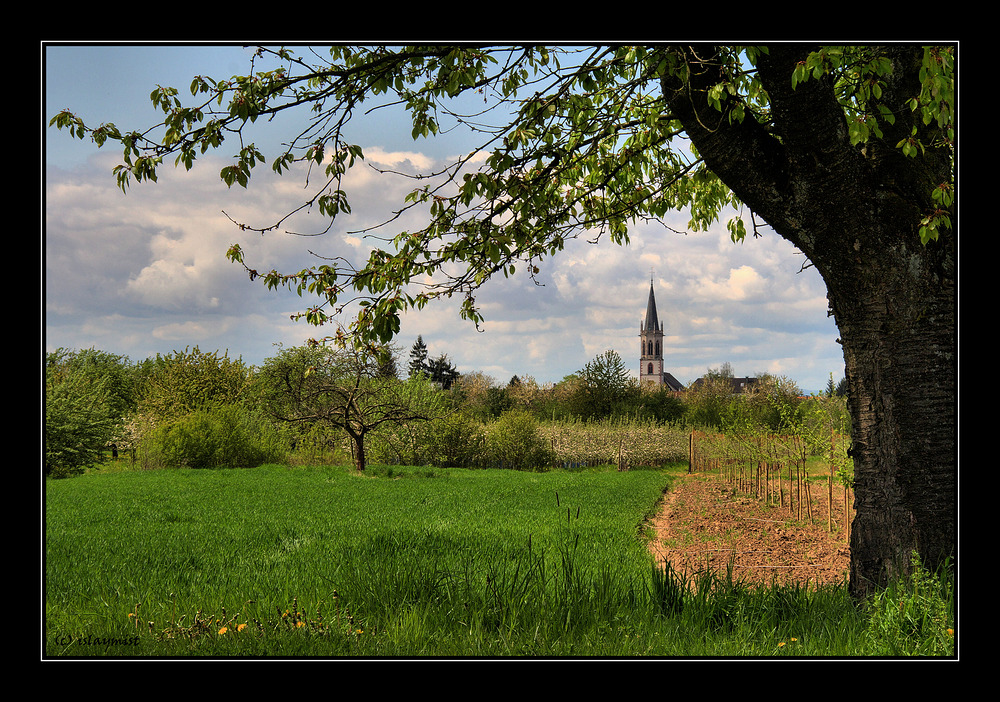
<point x="571" y="141"/>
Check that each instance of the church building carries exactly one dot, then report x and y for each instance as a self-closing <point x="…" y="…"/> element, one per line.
<point x="651" y="353"/>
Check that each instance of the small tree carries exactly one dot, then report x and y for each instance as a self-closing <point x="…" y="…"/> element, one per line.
<point x="473" y="392"/>
<point x="442" y="371"/>
<point x="121" y="378"/>
<point x="230" y="436"/>
<point x="772" y="402"/>
<point x="418" y="357"/>
<point x="708" y="399"/>
<point x="342" y="389"/>
<point x="661" y="404"/>
<point x="831" y="387"/>
<point x="514" y="442"/>
<point x="606" y="387"/>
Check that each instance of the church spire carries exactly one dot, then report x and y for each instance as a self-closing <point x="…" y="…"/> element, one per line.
<point x="651" y="348"/>
<point x="652" y="321"/>
<point x="651" y="344"/>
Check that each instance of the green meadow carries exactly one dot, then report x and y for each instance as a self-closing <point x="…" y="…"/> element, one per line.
<point x="411" y="562"/>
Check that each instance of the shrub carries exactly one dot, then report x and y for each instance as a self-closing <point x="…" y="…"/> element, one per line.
<point x="79" y="420"/>
<point x="227" y="435"/>
<point x="455" y="440"/>
<point x="514" y="441"/>
<point x="452" y="440"/>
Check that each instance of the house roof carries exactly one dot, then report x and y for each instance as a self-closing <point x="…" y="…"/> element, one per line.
<point x="738" y="384"/>
<point x="671" y="382"/>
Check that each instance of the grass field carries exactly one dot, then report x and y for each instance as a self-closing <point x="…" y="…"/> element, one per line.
<point x="402" y="562"/>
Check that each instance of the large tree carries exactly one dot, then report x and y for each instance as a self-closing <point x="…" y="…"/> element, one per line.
<point x="846" y="151"/>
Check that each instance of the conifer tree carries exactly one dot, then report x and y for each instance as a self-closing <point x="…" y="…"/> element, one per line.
<point x="418" y="357"/>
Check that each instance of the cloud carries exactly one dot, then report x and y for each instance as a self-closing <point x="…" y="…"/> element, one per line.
<point x="146" y="273"/>
<point x="743" y="283"/>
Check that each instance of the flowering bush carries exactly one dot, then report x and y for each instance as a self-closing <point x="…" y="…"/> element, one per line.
<point x="625" y="443"/>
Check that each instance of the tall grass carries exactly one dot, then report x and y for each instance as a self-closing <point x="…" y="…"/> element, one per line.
<point x="399" y="562"/>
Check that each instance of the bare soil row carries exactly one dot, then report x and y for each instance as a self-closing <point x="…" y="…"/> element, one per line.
<point x="703" y="525"/>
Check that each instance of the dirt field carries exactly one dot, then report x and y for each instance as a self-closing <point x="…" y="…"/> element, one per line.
<point x="702" y="525"/>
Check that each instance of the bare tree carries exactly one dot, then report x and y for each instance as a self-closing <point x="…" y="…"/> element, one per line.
<point x="342" y="388"/>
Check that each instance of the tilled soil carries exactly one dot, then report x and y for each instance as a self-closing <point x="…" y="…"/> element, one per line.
<point x="703" y="526"/>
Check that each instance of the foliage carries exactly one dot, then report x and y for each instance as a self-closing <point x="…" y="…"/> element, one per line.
<point x="81" y="415"/>
<point x="122" y="379"/>
<point x="821" y="416"/>
<point x="514" y="441"/>
<point x="441" y="371"/>
<point x="604" y="387"/>
<point x="619" y="442"/>
<point x="315" y="444"/>
<point x="769" y="403"/>
<point x="708" y="401"/>
<point x="479" y="396"/>
<point x="518" y="439"/>
<point x="219" y="436"/>
<point x="183" y="382"/>
<point x="450" y="439"/>
<point x="660" y="404"/>
<point x="915" y="616"/>
<point x="418" y="356"/>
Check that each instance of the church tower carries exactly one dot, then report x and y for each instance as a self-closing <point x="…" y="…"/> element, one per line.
<point x="651" y="340"/>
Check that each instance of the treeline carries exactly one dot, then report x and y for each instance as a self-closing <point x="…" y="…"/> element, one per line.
<point x="314" y="404"/>
<point x="185" y="408"/>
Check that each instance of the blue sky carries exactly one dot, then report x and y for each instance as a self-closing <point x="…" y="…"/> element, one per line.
<point x="145" y="272"/>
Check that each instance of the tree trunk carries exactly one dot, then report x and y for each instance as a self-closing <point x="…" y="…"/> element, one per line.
<point x="896" y="315"/>
<point x="854" y="212"/>
<point x="358" y="440"/>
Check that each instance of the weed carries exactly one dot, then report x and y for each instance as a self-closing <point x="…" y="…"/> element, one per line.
<point x="914" y="616"/>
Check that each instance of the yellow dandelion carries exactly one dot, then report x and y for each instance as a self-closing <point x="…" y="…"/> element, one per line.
<point x="241" y="627"/>
<point x="299" y="624"/>
<point x="223" y="630"/>
<point x="794" y="639"/>
<point x="131" y="614"/>
<point x="951" y="632"/>
<point x="781" y="644"/>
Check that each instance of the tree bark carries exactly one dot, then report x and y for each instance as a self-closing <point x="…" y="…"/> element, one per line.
<point x="854" y="212"/>
<point x="360" y="458"/>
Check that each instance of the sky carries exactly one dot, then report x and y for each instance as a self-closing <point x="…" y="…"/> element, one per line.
<point x="145" y="272"/>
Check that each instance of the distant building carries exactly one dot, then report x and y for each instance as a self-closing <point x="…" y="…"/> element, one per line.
<point x="739" y="385"/>
<point x="651" y="352"/>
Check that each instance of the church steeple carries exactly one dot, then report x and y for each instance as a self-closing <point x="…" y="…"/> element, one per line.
<point x="651" y="341"/>
<point x="652" y="322"/>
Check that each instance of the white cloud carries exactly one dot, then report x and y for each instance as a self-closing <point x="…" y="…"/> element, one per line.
<point x="146" y="272"/>
<point x="743" y="283"/>
<point x="198" y="331"/>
